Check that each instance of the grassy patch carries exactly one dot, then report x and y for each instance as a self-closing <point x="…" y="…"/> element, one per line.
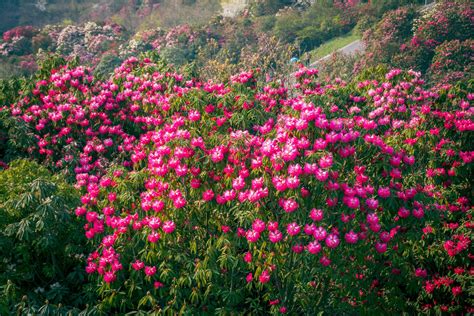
<point x="333" y="45"/>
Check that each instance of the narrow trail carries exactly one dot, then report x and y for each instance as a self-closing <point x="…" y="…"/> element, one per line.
<point x="349" y="49"/>
<point x="358" y="45"/>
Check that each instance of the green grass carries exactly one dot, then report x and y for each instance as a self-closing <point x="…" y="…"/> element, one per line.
<point x="333" y="45"/>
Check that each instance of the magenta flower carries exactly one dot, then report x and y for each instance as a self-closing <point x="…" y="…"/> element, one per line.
<point x="316" y="215"/>
<point x="384" y="192"/>
<point x="381" y="247"/>
<point x="249" y="278"/>
<point x="332" y="241"/>
<point x="264" y="277"/>
<point x="293" y="229"/>
<point x="372" y="218"/>
<point x="248" y="257"/>
<point x="421" y="273"/>
<point x="138" y="265"/>
<point x="326" y="162"/>
<point x="168" y="227"/>
<point x="314" y="247"/>
<point x="275" y="236"/>
<point x="150" y="271"/>
<point x="372" y="204"/>
<point x="320" y="233"/>
<point x="109" y="277"/>
<point x="325" y="261"/>
<point x="351" y="237"/>
<point x="272" y="226"/>
<point x="309" y="229"/>
<point x="208" y="195"/>
<point x="385" y="237"/>
<point x="288" y="205"/>
<point x="258" y="225"/>
<point x="252" y="236"/>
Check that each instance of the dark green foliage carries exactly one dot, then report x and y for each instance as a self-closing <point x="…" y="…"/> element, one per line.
<point x="177" y="56"/>
<point x="268" y="7"/>
<point x="15" y="137"/>
<point x="107" y="65"/>
<point x="41" y="243"/>
<point x="9" y="90"/>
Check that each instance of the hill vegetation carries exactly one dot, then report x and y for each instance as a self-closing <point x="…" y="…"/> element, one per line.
<point x="198" y="168"/>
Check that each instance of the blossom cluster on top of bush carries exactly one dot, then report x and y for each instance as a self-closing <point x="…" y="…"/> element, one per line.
<point x="17" y="40"/>
<point x="87" y="41"/>
<point x="247" y="197"/>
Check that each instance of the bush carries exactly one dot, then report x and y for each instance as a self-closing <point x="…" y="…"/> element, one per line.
<point x="364" y="24"/>
<point x="268" y="7"/>
<point x="387" y="36"/>
<point x="379" y="7"/>
<point x="176" y="56"/>
<point x="41" y="41"/>
<point x="287" y="25"/>
<point x="40" y="241"/>
<point x="266" y="23"/>
<point x="27" y="31"/>
<point x="447" y="21"/>
<point x="453" y="61"/>
<point x="107" y="64"/>
<point x="16" y="138"/>
<point x="404" y="39"/>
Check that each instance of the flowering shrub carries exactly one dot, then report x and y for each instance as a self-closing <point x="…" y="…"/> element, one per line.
<point x="339" y="66"/>
<point x="177" y="44"/>
<point x="269" y="55"/>
<point x="447" y="21"/>
<point x="19" y="31"/>
<point x="248" y="197"/>
<point x="86" y="41"/>
<point x="385" y="38"/>
<point x="179" y="35"/>
<point x="406" y="38"/>
<point x="17" y="46"/>
<point x="452" y="61"/>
